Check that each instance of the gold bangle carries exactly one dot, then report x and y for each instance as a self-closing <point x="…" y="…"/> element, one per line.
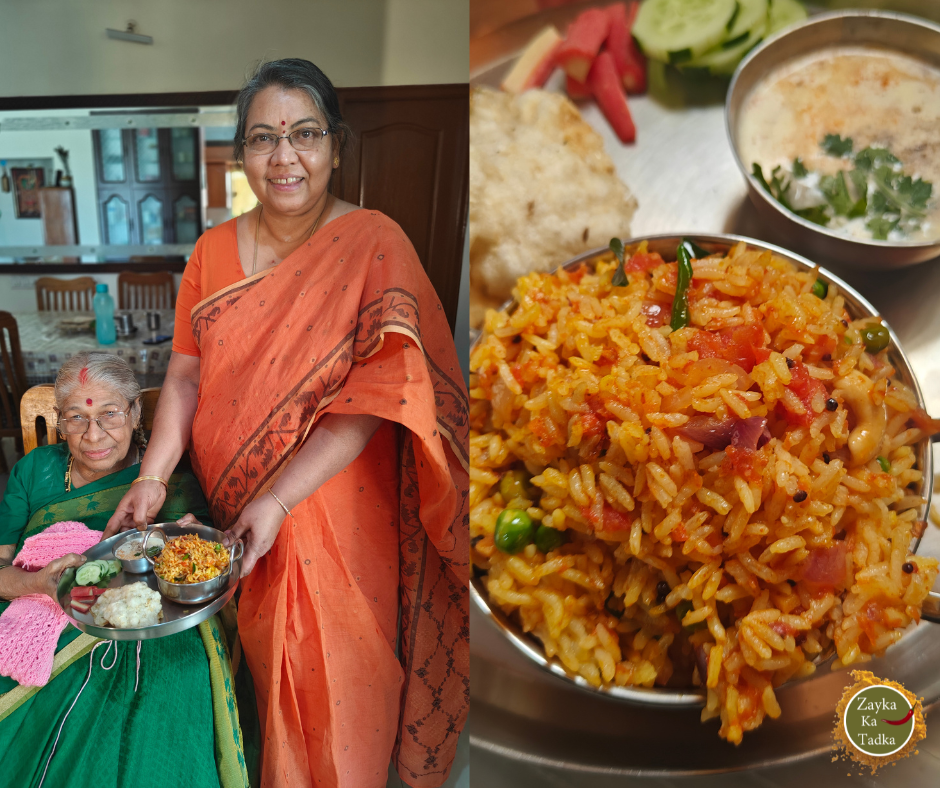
<point x="289" y="512"/>
<point x="151" y="479"/>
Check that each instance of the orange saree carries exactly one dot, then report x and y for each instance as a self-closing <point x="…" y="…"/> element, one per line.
<point x="349" y="323"/>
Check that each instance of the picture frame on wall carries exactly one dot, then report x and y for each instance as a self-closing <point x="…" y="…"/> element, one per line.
<point x="27" y="181"/>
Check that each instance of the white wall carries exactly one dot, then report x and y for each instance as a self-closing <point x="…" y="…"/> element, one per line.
<point x="42" y="144"/>
<point x="59" y="47"/>
<point x="426" y="41"/>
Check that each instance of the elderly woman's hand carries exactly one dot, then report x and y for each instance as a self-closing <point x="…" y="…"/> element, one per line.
<point x="138" y="508"/>
<point x="46" y="580"/>
<point x="258" y="525"/>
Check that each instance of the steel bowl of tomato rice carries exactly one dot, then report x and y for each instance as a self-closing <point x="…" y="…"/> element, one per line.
<point x="699" y="468"/>
<point x="195" y="565"/>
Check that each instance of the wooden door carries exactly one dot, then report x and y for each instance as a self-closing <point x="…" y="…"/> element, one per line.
<point x="409" y="159"/>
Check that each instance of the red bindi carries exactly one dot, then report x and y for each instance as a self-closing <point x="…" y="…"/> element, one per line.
<point x="88" y="402"/>
<point x="283" y="122"/>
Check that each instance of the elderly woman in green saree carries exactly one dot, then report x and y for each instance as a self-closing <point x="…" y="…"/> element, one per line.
<point x="154" y="712"/>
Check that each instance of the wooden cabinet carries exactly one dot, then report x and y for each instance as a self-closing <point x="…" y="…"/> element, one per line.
<point x="409" y="159"/>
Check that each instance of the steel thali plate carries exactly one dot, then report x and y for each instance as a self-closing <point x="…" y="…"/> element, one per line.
<point x="176" y="617"/>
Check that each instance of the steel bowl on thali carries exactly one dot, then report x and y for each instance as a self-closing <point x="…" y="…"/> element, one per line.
<point x="203" y="599"/>
<point x="669" y="707"/>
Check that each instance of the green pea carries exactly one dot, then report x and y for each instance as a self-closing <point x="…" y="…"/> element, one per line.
<point x="514" y="530"/>
<point x="515" y="484"/>
<point x="548" y="538"/>
<point x="876" y="337"/>
<point x="820" y="288"/>
<point x="885" y="465"/>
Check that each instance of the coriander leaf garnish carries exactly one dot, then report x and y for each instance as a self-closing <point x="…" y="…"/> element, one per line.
<point x="799" y="169"/>
<point x="880" y="226"/>
<point x="834" y="145"/>
<point x="816" y="214"/>
<point x="871" y="158"/>
<point x="620" y="276"/>
<point x="837" y="194"/>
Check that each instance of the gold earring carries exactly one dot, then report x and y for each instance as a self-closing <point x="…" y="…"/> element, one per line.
<point x="336" y="161"/>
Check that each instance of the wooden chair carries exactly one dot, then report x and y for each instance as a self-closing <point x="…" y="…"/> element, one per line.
<point x="13" y="385"/>
<point x="65" y="295"/>
<point x="145" y="291"/>
<point x="39" y="403"/>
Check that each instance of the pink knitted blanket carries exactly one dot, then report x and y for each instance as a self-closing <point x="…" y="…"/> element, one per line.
<point x="30" y="626"/>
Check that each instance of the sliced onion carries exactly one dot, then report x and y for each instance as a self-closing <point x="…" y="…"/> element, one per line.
<point x="748" y="433"/>
<point x="714" y="433"/>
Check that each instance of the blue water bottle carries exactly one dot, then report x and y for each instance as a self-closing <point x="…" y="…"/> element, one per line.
<point x="104" y="316"/>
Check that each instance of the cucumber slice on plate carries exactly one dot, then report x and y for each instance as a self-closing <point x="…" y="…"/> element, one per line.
<point x="675" y="31"/>
<point x="723" y="60"/>
<point x="784" y="13"/>
<point x="88" y="574"/>
<point x="751" y="15"/>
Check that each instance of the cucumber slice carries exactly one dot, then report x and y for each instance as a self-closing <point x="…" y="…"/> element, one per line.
<point x="676" y="31"/>
<point x="784" y="13"/>
<point x="722" y="61"/>
<point x="88" y="574"/>
<point x="115" y="567"/>
<point x="752" y="14"/>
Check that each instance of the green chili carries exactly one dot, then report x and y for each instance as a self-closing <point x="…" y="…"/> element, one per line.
<point x="885" y="465"/>
<point x="820" y="288"/>
<point x="695" y="251"/>
<point x="620" y="276"/>
<point x="682" y="609"/>
<point x="680" y="304"/>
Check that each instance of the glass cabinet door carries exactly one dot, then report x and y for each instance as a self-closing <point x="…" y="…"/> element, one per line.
<point x="151" y="220"/>
<point x="183" y="152"/>
<point x="186" y="220"/>
<point x="148" y="155"/>
<point x="116" y="221"/>
<point x="112" y="155"/>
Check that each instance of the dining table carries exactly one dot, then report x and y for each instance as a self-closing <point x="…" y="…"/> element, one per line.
<point x="48" y="339"/>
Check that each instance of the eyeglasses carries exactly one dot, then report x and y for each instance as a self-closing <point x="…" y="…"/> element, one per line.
<point x="306" y="139"/>
<point x="78" y="425"/>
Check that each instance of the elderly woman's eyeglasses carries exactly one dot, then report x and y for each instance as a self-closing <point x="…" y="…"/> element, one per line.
<point x="78" y="425"/>
<point x="305" y="139"/>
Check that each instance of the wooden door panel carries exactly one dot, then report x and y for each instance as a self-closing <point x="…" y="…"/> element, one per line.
<point x="402" y="153"/>
<point x="408" y="158"/>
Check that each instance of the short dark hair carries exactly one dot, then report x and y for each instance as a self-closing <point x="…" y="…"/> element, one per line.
<point x="291" y="74"/>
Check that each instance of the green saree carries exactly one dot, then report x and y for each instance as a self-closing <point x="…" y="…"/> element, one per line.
<point x="169" y="719"/>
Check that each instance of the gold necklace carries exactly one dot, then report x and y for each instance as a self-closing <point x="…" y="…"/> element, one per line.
<point x="254" y="259"/>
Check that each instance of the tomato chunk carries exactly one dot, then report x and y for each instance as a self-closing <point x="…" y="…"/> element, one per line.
<point x="740" y="345"/>
<point x="806" y="389"/>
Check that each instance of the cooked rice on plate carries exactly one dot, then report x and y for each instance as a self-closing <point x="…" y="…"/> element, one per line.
<point x="712" y="506"/>
<point x="191" y="559"/>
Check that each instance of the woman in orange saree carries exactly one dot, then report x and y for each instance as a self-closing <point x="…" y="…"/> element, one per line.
<point x="345" y="329"/>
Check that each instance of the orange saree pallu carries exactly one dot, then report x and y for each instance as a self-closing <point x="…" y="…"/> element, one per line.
<point x="349" y="323"/>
